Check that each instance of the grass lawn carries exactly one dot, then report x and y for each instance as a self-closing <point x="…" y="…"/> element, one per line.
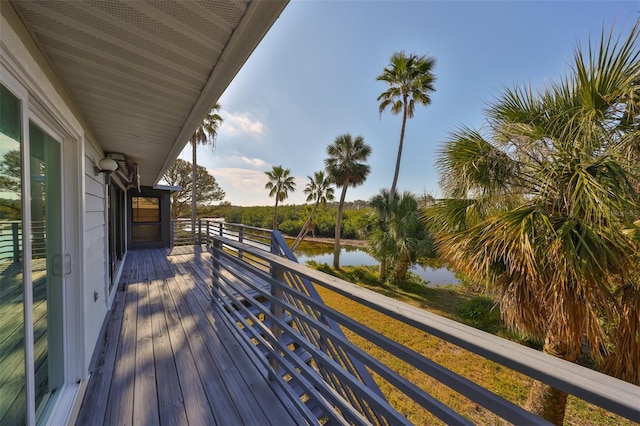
<point x="460" y="305"/>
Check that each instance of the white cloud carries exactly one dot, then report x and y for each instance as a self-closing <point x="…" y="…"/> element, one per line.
<point x="245" y="187"/>
<point x="243" y="123"/>
<point x="240" y="178"/>
<point x="255" y="162"/>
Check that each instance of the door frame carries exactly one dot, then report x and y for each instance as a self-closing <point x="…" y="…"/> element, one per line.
<point x="165" y="219"/>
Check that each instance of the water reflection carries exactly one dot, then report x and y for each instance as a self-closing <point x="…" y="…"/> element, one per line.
<point x="323" y="253"/>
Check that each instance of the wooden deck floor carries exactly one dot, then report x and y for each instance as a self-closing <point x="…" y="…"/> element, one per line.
<point x="167" y="359"/>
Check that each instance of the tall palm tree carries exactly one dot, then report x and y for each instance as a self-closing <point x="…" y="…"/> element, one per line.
<point x="541" y="209"/>
<point x="205" y="134"/>
<point x="318" y="189"/>
<point x="346" y="166"/>
<point x="279" y="186"/>
<point x="410" y="80"/>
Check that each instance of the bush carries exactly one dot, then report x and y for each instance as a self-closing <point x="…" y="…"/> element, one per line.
<point x="481" y="313"/>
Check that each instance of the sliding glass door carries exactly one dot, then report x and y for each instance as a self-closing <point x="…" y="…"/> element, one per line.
<point x="32" y="266"/>
<point x="47" y="265"/>
<point x="13" y="397"/>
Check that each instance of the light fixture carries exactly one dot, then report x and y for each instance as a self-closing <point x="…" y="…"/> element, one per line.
<point x="107" y="165"/>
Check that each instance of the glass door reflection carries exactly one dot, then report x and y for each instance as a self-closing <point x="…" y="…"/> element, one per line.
<point x="48" y="266"/>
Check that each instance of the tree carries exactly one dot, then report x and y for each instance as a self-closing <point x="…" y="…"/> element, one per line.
<point x="205" y="134"/>
<point x="11" y="185"/>
<point x="181" y="174"/>
<point x="542" y="206"/>
<point x="410" y="79"/>
<point x="279" y="186"/>
<point x="346" y="166"/>
<point x="318" y="189"/>
<point x="402" y="239"/>
<point x="10" y="172"/>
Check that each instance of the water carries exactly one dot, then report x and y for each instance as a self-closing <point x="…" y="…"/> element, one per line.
<point x="355" y="257"/>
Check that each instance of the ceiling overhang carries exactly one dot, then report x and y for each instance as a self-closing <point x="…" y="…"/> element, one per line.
<point x="144" y="73"/>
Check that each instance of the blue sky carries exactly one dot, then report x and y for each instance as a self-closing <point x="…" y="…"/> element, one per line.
<point x="313" y="77"/>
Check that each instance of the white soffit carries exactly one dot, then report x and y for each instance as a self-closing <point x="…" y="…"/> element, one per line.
<point x="144" y="72"/>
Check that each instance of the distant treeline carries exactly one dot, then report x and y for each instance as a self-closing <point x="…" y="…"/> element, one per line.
<point x="291" y="218"/>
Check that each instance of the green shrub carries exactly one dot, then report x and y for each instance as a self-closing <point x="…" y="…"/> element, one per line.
<point x="481" y="313"/>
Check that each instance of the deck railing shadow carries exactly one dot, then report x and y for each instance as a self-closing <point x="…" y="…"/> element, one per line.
<point x="272" y="301"/>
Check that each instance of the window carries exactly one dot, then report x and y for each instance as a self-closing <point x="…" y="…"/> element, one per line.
<point x="146" y="226"/>
<point x="146" y="209"/>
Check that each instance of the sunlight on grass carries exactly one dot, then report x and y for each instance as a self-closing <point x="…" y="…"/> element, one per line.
<point x="460" y="305"/>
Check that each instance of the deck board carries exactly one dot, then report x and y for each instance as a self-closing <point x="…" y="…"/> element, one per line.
<point x="145" y="403"/>
<point x="120" y="401"/>
<point x="173" y="359"/>
<point x="235" y="378"/>
<point x="170" y="401"/>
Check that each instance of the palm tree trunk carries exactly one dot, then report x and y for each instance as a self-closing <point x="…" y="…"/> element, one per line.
<point x="275" y="215"/>
<point x="383" y="269"/>
<point x="305" y="228"/>
<point x="400" y="271"/>
<point x="336" y="246"/>
<point x="301" y="234"/>
<point x="545" y="400"/>
<point x="194" y="173"/>
<point x="392" y="191"/>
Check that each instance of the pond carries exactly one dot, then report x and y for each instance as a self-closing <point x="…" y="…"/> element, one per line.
<point x="323" y="253"/>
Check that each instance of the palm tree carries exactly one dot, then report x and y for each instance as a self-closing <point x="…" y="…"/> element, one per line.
<point x="410" y="79"/>
<point x="346" y="166"/>
<point x="205" y="134"/>
<point x="539" y="208"/>
<point x="377" y="225"/>
<point x="279" y="186"/>
<point x="318" y="189"/>
<point x="402" y="239"/>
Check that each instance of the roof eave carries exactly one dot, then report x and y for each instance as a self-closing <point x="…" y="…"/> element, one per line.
<point x="242" y="43"/>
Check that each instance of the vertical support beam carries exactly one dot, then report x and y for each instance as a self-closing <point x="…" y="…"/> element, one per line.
<point x="172" y="233"/>
<point x="277" y="273"/>
<point x="199" y="231"/>
<point x="240" y="238"/>
<point x="207" y="237"/>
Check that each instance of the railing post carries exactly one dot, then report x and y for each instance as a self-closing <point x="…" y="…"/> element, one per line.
<point x="277" y="273"/>
<point x="207" y="233"/>
<point x="172" y="237"/>
<point x="220" y="229"/>
<point x="16" y="242"/>
<point x="274" y="243"/>
<point x="215" y="261"/>
<point x="240" y="238"/>
<point x="199" y="231"/>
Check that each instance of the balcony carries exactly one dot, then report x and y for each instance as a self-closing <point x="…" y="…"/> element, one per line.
<point x="233" y="331"/>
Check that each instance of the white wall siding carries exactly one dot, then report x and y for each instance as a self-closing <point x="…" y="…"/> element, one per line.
<point x="95" y="249"/>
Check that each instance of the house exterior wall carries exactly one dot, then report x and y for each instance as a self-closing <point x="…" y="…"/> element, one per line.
<point x="95" y="250"/>
<point x="84" y="206"/>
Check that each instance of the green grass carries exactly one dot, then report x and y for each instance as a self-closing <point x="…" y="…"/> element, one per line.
<point x="459" y="304"/>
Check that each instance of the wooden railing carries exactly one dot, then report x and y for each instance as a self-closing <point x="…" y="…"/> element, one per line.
<point x="11" y="240"/>
<point x="273" y="302"/>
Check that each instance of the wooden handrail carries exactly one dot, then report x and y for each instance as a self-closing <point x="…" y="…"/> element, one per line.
<point x="607" y="392"/>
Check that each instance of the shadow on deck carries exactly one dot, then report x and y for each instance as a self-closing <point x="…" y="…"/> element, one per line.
<point x="166" y="357"/>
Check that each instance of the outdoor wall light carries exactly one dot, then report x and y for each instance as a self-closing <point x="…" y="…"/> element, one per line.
<point x="107" y="165"/>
